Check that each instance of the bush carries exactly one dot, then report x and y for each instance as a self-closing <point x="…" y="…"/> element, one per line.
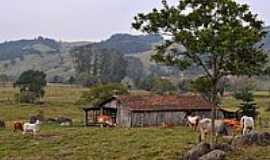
<point x="157" y="85"/>
<point x="31" y="84"/>
<point x="100" y="93"/>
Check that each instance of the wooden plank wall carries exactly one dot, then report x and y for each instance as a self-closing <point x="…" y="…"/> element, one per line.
<point x="158" y="118"/>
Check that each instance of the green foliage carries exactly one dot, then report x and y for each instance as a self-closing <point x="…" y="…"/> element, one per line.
<point x="107" y="65"/>
<point x="157" y="85"/>
<point x="31" y="84"/>
<point x="219" y="36"/>
<point x="248" y="106"/>
<point x="202" y="85"/>
<point x="100" y="93"/>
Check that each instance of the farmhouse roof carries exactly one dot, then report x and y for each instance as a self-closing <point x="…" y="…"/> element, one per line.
<point x="153" y="103"/>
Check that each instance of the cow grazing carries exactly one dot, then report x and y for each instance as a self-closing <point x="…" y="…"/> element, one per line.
<point x="247" y="124"/>
<point x="18" y="126"/>
<point x="205" y="127"/>
<point x="31" y="128"/>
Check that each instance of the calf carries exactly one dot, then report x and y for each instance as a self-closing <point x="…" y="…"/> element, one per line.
<point x="32" y="128"/>
<point x="205" y="127"/>
<point x="193" y="121"/>
<point x="18" y="126"/>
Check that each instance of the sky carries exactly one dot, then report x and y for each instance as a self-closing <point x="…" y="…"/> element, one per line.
<point x="82" y="20"/>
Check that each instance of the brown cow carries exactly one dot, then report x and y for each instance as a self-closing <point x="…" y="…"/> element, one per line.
<point x="18" y="126"/>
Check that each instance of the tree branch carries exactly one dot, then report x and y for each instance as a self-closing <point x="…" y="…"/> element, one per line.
<point x="199" y="62"/>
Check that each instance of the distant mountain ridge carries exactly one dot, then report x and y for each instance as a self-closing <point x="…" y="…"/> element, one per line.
<point x="130" y="44"/>
<point x="17" y="49"/>
<point x="53" y="56"/>
<point x="124" y="43"/>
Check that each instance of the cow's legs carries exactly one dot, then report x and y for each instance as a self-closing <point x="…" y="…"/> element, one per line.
<point x="245" y="131"/>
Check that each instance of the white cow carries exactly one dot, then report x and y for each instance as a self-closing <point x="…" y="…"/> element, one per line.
<point x="32" y="128"/>
<point x="247" y="124"/>
<point x="205" y="128"/>
<point x="193" y="121"/>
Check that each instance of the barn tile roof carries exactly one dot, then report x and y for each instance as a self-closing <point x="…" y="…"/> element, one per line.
<point x="150" y="103"/>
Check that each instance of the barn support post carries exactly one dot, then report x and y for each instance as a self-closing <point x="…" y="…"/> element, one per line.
<point x="86" y="118"/>
<point x="131" y="119"/>
<point x="101" y="111"/>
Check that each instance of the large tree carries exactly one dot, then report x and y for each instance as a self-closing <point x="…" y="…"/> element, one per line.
<point x="220" y="37"/>
<point x="31" y="84"/>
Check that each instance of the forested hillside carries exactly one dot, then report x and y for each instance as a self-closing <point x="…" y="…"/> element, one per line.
<point x="54" y="58"/>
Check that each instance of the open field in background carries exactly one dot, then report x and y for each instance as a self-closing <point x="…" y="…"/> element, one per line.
<point x="59" y="101"/>
<point x="78" y="142"/>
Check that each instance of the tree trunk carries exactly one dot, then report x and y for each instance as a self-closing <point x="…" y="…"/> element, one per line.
<point x="213" y="114"/>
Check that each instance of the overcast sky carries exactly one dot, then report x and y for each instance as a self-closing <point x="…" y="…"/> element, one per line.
<point x="72" y="20"/>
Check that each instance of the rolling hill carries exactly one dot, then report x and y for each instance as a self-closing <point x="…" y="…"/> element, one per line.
<point x="53" y="57"/>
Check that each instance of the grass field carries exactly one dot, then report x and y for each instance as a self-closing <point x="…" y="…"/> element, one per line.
<point x="79" y="143"/>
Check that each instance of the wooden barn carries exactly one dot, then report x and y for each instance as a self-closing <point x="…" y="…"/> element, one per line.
<point x="147" y="111"/>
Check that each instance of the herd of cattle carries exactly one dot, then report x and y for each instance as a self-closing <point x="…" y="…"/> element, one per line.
<point x="202" y="125"/>
<point x="222" y="127"/>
